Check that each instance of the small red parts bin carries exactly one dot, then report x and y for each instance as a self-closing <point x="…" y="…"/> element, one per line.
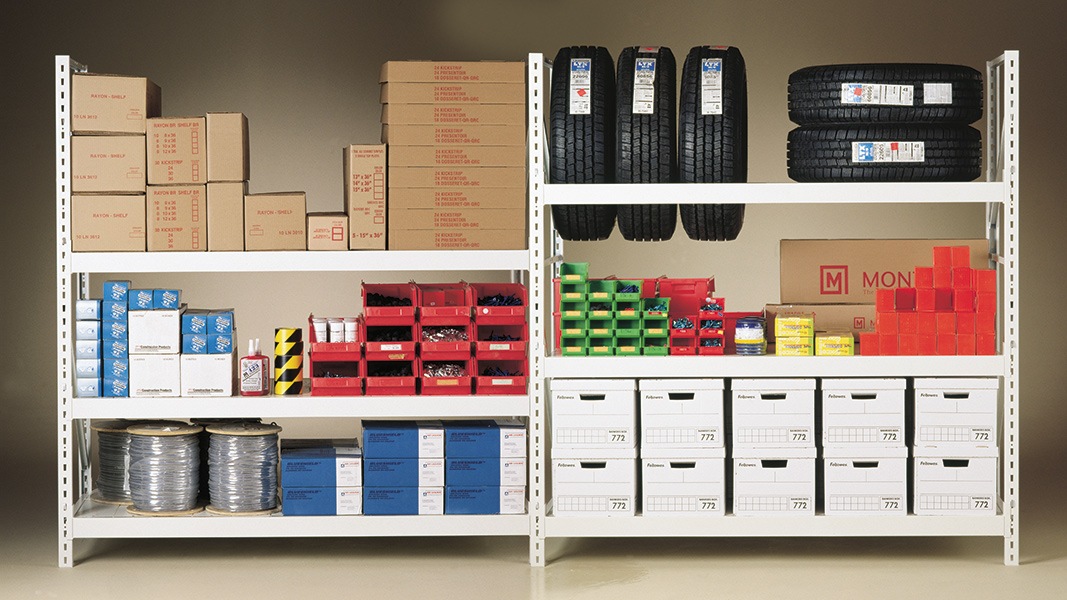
<point x="391" y="378"/>
<point x="499" y="377"/>
<point x="333" y="351"/>
<point x="501" y="342"/>
<point x="389" y="303"/>
<point x="445" y="378"/>
<point x="445" y="303"/>
<point x="683" y="346"/>
<point x="335" y="366"/>
<point x="499" y="303"/>
<point x="687" y="295"/>
<point x="683" y="326"/>
<point x="714" y="308"/>
<point x="444" y="342"/>
<point x="711" y="344"/>
<point x="388" y="342"/>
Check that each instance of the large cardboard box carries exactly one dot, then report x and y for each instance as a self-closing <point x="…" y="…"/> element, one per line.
<point x="467" y="135"/>
<point x="226" y="216"/>
<point x="155" y="331"/>
<point x="865" y="481"/>
<point x="456" y="198"/>
<point x="774" y="482"/>
<point x="457" y="156"/>
<point x="107" y="163"/>
<point x="958" y="480"/>
<point x="453" y="93"/>
<point x="773" y="413"/>
<point x="107" y="223"/>
<point x="327" y="231"/>
<point x="480" y="239"/>
<point x="594" y="413"/>
<point x="457" y="219"/>
<point x="364" y="172"/>
<point x="683" y="481"/>
<point x="863" y="412"/>
<point x="112" y="104"/>
<point x="177" y="150"/>
<point x="155" y="375"/>
<point x="276" y="221"/>
<point x="177" y="218"/>
<point x="857" y="318"/>
<point x="448" y="71"/>
<point x="956" y="411"/>
<point x="594" y="481"/>
<point x="227" y="147"/>
<point x="463" y="177"/>
<point x="681" y="413"/>
<point x="453" y="114"/>
<point x="213" y="375"/>
<point x="849" y="271"/>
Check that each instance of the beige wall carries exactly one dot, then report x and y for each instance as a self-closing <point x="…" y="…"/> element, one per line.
<point x="305" y="73"/>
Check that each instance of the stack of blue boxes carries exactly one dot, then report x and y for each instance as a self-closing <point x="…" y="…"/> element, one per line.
<point x="102" y="365"/>
<point x="322" y="477"/>
<point x="403" y="468"/>
<point x="207" y="331"/>
<point x="485" y="467"/>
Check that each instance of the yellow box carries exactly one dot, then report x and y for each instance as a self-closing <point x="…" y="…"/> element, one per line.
<point x="835" y="343"/>
<point x="794" y="326"/>
<point x="793" y="346"/>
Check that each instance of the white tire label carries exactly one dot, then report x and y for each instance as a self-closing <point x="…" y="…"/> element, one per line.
<point x="874" y="93"/>
<point x="937" y="93"/>
<point x="888" y="152"/>
<point x="644" y="86"/>
<point x="581" y="86"/>
<point x="711" y="86"/>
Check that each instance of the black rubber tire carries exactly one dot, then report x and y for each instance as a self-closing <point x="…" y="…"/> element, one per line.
<point x="582" y="146"/>
<point x="644" y="148"/>
<point x="713" y="148"/>
<point x="824" y="153"/>
<point x="815" y="94"/>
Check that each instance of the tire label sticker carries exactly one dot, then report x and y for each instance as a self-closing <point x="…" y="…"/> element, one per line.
<point x="888" y="152"/>
<point x="937" y="93"/>
<point x="711" y="86"/>
<point x="581" y="82"/>
<point x="875" y="93"/>
<point x="644" y="86"/>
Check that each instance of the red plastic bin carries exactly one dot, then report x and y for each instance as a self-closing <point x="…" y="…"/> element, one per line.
<point x="349" y="383"/>
<point x="387" y="351"/>
<point x="484" y="349"/>
<point x="445" y="386"/>
<point x="390" y="315"/>
<point x="499" y="315"/>
<point x="489" y="385"/>
<point x="445" y="303"/>
<point x="684" y="346"/>
<point x="687" y="295"/>
<point x="444" y="350"/>
<point x="333" y="351"/>
<point x="378" y="385"/>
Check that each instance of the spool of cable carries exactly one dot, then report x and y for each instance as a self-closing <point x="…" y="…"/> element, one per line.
<point x="288" y="361"/>
<point x="113" y="481"/>
<point x="243" y="468"/>
<point x="205" y="441"/>
<point x="164" y="469"/>
<point x="749" y="336"/>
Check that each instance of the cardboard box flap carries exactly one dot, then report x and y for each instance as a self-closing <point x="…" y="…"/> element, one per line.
<point x="773" y="453"/>
<point x="957" y="451"/>
<point x="593" y="385"/>
<point x="772" y="384"/>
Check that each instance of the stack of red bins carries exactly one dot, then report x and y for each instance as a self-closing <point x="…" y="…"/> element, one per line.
<point x="445" y="331"/>
<point x="388" y="334"/>
<point x="950" y="311"/>
<point x="688" y="297"/>
<point x="711" y="327"/>
<point x="336" y="367"/>
<point x="501" y="339"/>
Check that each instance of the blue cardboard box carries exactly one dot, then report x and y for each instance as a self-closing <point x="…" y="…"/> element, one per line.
<point x="87" y="387"/>
<point x="403" y="439"/>
<point x="90" y="349"/>
<point x="313" y="501"/>
<point x="219" y="343"/>
<point x="87" y="368"/>
<point x="116" y="368"/>
<point x="114" y="310"/>
<point x="492" y="471"/>
<point x="116" y="291"/>
<point x="195" y="343"/>
<point x="485" y="500"/>
<point x="141" y="299"/>
<point x="322" y="466"/>
<point x="194" y="320"/>
<point x="220" y="321"/>
<point x="116" y="388"/>
<point x="115" y="349"/>
<point x="166" y="299"/>
<point x="403" y="501"/>
<point x="115" y="330"/>
<point x="481" y="439"/>
<point x="404" y="472"/>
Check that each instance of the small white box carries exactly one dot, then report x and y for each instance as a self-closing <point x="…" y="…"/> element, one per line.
<point x="155" y="331"/>
<point x="87" y="330"/>
<point x="774" y="482"/>
<point x="962" y="411"/>
<point x="865" y="481"/>
<point x="87" y="387"/>
<point x="685" y="481"/>
<point x="594" y="482"/>
<point x="87" y="368"/>
<point x="773" y="413"/>
<point x="594" y="413"/>
<point x="867" y="412"/>
<point x="349" y="500"/>
<point x="209" y="374"/>
<point x="153" y="375"/>
<point x="681" y="413"/>
<point x="955" y="480"/>
<point x="87" y="310"/>
<point x="89" y="349"/>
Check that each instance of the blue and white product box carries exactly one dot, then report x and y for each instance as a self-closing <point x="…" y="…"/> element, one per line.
<point x="115" y="349"/>
<point x="404" y="472"/>
<point x="141" y="299"/>
<point x="485" y="500"/>
<point x="480" y="439"/>
<point x="194" y="343"/>
<point x="865" y="480"/>
<point x="209" y="375"/>
<point x="114" y="310"/>
<point x="87" y="330"/>
<point x="220" y="321"/>
<point x="155" y="331"/>
<point x="332" y="463"/>
<point x="594" y="481"/>
<point x="117" y="291"/>
<point x="87" y="387"/>
<point x="683" y="481"/>
<point x="403" y="439"/>
<point x="115" y="330"/>
<point x="771" y="482"/>
<point x="87" y="368"/>
<point x="116" y="368"/>
<point x="87" y="349"/>
<point x="116" y="388"/>
<point x="315" y="501"/>
<point x="404" y="501"/>
<point x="87" y="310"/>
<point x="194" y="320"/>
<point x="491" y="471"/>
<point x="155" y="375"/>
<point x="220" y="343"/>
<point x="166" y="299"/>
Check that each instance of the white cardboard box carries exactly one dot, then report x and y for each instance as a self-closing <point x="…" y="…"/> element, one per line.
<point x="774" y="482"/>
<point x="865" y="481"/>
<point x="594" y="413"/>
<point x="683" y="481"/>
<point x="868" y="412"/>
<point x="153" y="375"/>
<point x="594" y="482"/>
<point x="212" y="375"/>
<point x="681" y="413"/>
<point x="773" y="413"/>
<point x="956" y="411"/>
<point x="955" y="480"/>
<point x="155" y="331"/>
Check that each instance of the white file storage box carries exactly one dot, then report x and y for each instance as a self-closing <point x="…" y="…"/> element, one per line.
<point x="955" y="480"/>
<point x="954" y="410"/>
<point x="594" y="413"/>
<point x="681" y="413"/>
<point x="683" y="482"/>
<point x="773" y="413"/>
<point x="774" y="482"/>
<point x="867" y="412"/>
<point x="594" y="482"/>
<point x="865" y="481"/>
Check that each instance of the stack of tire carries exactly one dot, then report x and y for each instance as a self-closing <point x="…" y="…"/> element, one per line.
<point x="625" y="133"/>
<point x="885" y="122"/>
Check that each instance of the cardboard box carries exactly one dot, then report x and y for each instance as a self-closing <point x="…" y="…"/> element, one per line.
<point x="166" y="299"/>
<point x="403" y="439"/>
<point x="849" y="271"/>
<point x="365" y="185"/>
<point x="212" y="375"/>
<point x="177" y="151"/>
<point x="955" y="481"/>
<point x="116" y="290"/>
<point x="114" y="330"/>
<point x="227" y="147"/>
<point x="471" y="219"/>
<point x="453" y="93"/>
<point x="865" y="482"/>
<point x="857" y="318"/>
<point x="485" y="71"/>
<point x="87" y="310"/>
<point x="155" y="331"/>
<point x="456" y="198"/>
<point x="461" y="177"/>
<point x="683" y="481"/>
<point x="176" y="218"/>
<point x="594" y="482"/>
<point x="327" y="231"/>
<point x="502" y="438"/>
<point x="454" y="135"/>
<point x="457" y="156"/>
<point x="951" y="411"/>
<point x="863" y="412"/>
<point x="681" y="413"/>
<point x="773" y="413"/>
<point x="404" y="501"/>
<point x="155" y="375"/>
<point x="107" y="163"/>
<point x="594" y="413"/>
<point x="404" y="472"/>
<point x="115" y="349"/>
<point x="485" y="471"/>
<point x="431" y="239"/>
<point x="316" y="501"/>
<point x="107" y="223"/>
<point x="115" y="388"/>
<point x="87" y="330"/>
<point x="453" y="114"/>
<point x="111" y="103"/>
<point x="87" y="368"/>
<point x="115" y="310"/>
<point x="276" y="221"/>
<point x="115" y="368"/>
<point x="87" y="350"/>
<point x="226" y="216"/>
<point x="485" y="500"/>
<point x="329" y="463"/>
<point x="87" y="387"/>
<point x="773" y="482"/>
<point x="141" y="299"/>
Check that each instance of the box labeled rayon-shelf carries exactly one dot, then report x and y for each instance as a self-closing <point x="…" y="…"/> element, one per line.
<point x="155" y="331"/>
<point x="594" y="413"/>
<point x="404" y="472"/>
<point x="594" y="481"/>
<point x="956" y="411"/>
<point x="955" y="481"/>
<point x="226" y="216"/>
<point x="488" y="471"/>
<point x="774" y="482"/>
<point x="308" y="501"/>
<point x="177" y="151"/>
<point x="773" y="413"/>
<point x="177" y="218"/>
<point x="481" y="439"/>
<point x="227" y="147"/>
<point x="863" y="412"/>
<point x="326" y="463"/>
<point x="681" y="413"/>
<point x="404" y="501"/>
<point x="485" y="500"/>
<point x="865" y="481"/>
<point x="683" y="481"/>
<point x="276" y="221"/>
<point x="213" y="375"/>
<point x="107" y="163"/>
<point x="112" y="104"/>
<point x="403" y="439"/>
<point x="155" y="375"/>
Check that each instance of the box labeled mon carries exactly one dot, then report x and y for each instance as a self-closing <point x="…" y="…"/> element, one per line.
<point x="681" y="413"/>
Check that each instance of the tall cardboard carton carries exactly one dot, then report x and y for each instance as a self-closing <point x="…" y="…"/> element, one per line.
<point x="177" y="151"/>
<point x="226" y="216"/>
<point x="364" y="172"/>
<point x="177" y="218"/>
<point x="107" y="163"/>
<point x="227" y="147"/>
<point x="107" y="223"/>
<point x="112" y="104"/>
<point x="276" y="221"/>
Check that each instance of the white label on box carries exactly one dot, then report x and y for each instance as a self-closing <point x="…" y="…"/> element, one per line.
<point x="644" y="86"/>
<point x="431" y="472"/>
<point x="937" y="93"/>
<point x="581" y="86"/>
<point x="348" y="468"/>
<point x="711" y="86"/>
<point x="500" y="346"/>
<point x="513" y="472"/>
<point x="512" y="500"/>
<point x="349" y="500"/>
<point x="391" y="347"/>
<point x="874" y="93"/>
<point x="512" y="442"/>
<point x="432" y="443"/>
<point x="431" y="501"/>
<point x="888" y="152"/>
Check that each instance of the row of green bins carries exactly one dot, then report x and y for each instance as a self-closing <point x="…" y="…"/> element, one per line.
<point x="623" y="346"/>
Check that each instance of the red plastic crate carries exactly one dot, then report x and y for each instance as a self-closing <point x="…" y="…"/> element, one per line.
<point x="963" y="300"/>
<point x="986" y="344"/>
<point x="484" y="349"/>
<point x="946" y="344"/>
<point x="389" y="386"/>
<point x="683" y="346"/>
<point x="869" y="343"/>
<point x="907" y="322"/>
<point x="884" y="300"/>
<point x="387" y="351"/>
<point x="445" y="386"/>
<point x="683" y="332"/>
<point x="985" y="280"/>
<point x="966" y="323"/>
<point x="925" y="299"/>
<point x="942" y="256"/>
<point x="445" y="303"/>
<point x="349" y="383"/>
<point x="942" y="277"/>
<point x="908" y="344"/>
<point x="333" y="351"/>
<point x="711" y="350"/>
<point x="927" y="344"/>
<point x="961" y="256"/>
<point x="966" y="345"/>
<point x="687" y="295"/>
<point x="962" y="278"/>
<point x="731" y="326"/>
<point x="888" y="344"/>
<point x="390" y="315"/>
<point x="444" y="350"/>
<point x="943" y="299"/>
<point x="499" y="315"/>
<point x="924" y="277"/>
<point x="489" y="385"/>
<point x="985" y="302"/>
<point x="885" y="323"/>
<point x="712" y="314"/>
<point x="905" y="298"/>
<point x="985" y="322"/>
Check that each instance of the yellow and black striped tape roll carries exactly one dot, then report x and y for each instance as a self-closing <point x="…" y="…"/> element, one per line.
<point x="288" y="348"/>
<point x="288" y="362"/>
<point x="288" y="334"/>
<point x="296" y="374"/>
<point x="288" y="388"/>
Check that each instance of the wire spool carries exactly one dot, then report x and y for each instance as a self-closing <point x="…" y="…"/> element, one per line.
<point x="205" y="440"/>
<point x="164" y="469"/>
<point x="113" y="481"/>
<point x="243" y="468"/>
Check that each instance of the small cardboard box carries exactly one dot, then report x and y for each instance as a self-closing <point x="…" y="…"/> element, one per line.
<point x="322" y="501"/>
<point x="107" y="223"/>
<point x="951" y="411"/>
<point x="87" y="330"/>
<point x="456" y="156"/>
<point x="87" y="368"/>
<point x="457" y="219"/>
<point x="227" y="147"/>
<point x="865" y="481"/>
<point x="404" y="501"/>
<point x="485" y="500"/>
<point x="594" y="482"/>
<point x="774" y="482"/>
<point x="327" y="231"/>
<point x="955" y="481"/>
<point x="276" y="221"/>
<point x="115" y="310"/>
<point x="485" y="71"/>
<point x="863" y="412"/>
<point x="87" y="349"/>
<point x="486" y="471"/>
<point x="683" y="481"/>
<point x="453" y="114"/>
<point x="212" y="375"/>
<point x="594" y="413"/>
<point x="226" y="216"/>
<point x="773" y="413"/>
<point x="431" y="239"/>
<point x="155" y="331"/>
<point x="155" y="375"/>
<point x="485" y="439"/>
<point x="455" y="135"/>
<point x="453" y="93"/>
<point x="111" y="103"/>
<point x="107" y="163"/>
<point x="681" y="413"/>
<point x="404" y="472"/>
<point x="87" y="310"/>
<point x="459" y="177"/>
<point x="177" y="151"/>
<point x="177" y="218"/>
<point x="87" y="387"/>
<point x="456" y="198"/>
<point x="857" y="318"/>
<point x="328" y="463"/>
<point x="365" y="189"/>
<point x="403" y="439"/>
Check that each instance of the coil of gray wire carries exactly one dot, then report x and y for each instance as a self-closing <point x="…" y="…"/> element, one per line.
<point x="205" y="442"/>
<point x="164" y="467"/>
<point x="243" y="467"/>
<point x="113" y="440"/>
